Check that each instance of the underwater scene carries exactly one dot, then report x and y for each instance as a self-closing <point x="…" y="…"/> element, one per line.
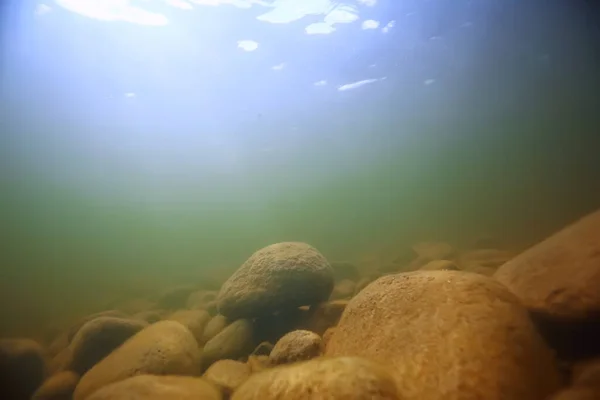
<point x="299" y="199"/>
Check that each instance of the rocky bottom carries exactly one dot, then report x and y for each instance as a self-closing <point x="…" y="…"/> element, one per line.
<point x="428" y="322"/>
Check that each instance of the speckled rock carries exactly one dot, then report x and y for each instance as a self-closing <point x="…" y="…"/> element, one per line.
<point x="448" y="335"/>
<point x="345" y="378"/>
<point x="560" y="276"/>
<point x="151" y="387"/>
<point x="296" y="346"/>
<point x="228" y="375"/>
<point x="276" y="278"/>
<point x="23" y="368"/>
<point x="59" y="386"/>
<point x="234" y="342"/>
<point x="98" y="338"/>
<point x="163" y="348"/>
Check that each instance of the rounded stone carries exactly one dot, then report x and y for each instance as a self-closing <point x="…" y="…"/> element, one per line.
<point x="343" y="378"/>
<point x="276" y="278"/>
<point x="448" y="335"/>
<point x="296" y="346"/>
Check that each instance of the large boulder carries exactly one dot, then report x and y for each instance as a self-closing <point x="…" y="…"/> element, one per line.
<point x="343" y="378"/>
<point x="558" y="280"/>
<point x="447" y="335"/>
<point x="164" y="348"/>
<point x="560" y="276"/>
<point x="276" y="278"/>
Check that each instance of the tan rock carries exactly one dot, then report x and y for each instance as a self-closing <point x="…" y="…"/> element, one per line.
<point x="194" y="320"/>
<point x="164" y="348"/>
<point x="344" y="378"/>
<point x="59" y="386"/>
<point x="228" y="375"/>
<point x="299" y="345"/>
<point x="98" y="338"/>
<point x="447" y="335"/>
<point x="213" y="328"/>
<point x="277" y="278"/>
<point x="559" y="276"/>
<point x="152" y="387"/>
<point x="234" y="342"/>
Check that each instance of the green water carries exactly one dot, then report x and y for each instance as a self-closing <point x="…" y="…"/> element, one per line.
<point x="517" y="165"/>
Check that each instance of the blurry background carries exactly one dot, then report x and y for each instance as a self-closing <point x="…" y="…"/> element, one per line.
<point x="144" y="142"/>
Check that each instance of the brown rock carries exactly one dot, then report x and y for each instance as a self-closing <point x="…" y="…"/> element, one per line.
<point x="59" y="386"/>
<point x="194" y="320"/>
<point x="296" y="346"/>
<point x="22" y="368"/>
<point x="560" y="276"/>
<point x="98" y="338"/>
<point x="344" y="378"/>
<point x="277" y="278"/>
<point x="234" y="342"/>
<point x="228" y="375"/>
<point x="164" y="348"/>
<point x="558" y="280"/>
<point x="447" y="335"/>
<point x="151" y="387"/>
<point x="213" y="328"/>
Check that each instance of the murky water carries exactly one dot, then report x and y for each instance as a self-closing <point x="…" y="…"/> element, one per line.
<point x="156" y="144"/>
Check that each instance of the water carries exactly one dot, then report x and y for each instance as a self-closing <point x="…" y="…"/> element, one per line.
<point x="146" y="149"/>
